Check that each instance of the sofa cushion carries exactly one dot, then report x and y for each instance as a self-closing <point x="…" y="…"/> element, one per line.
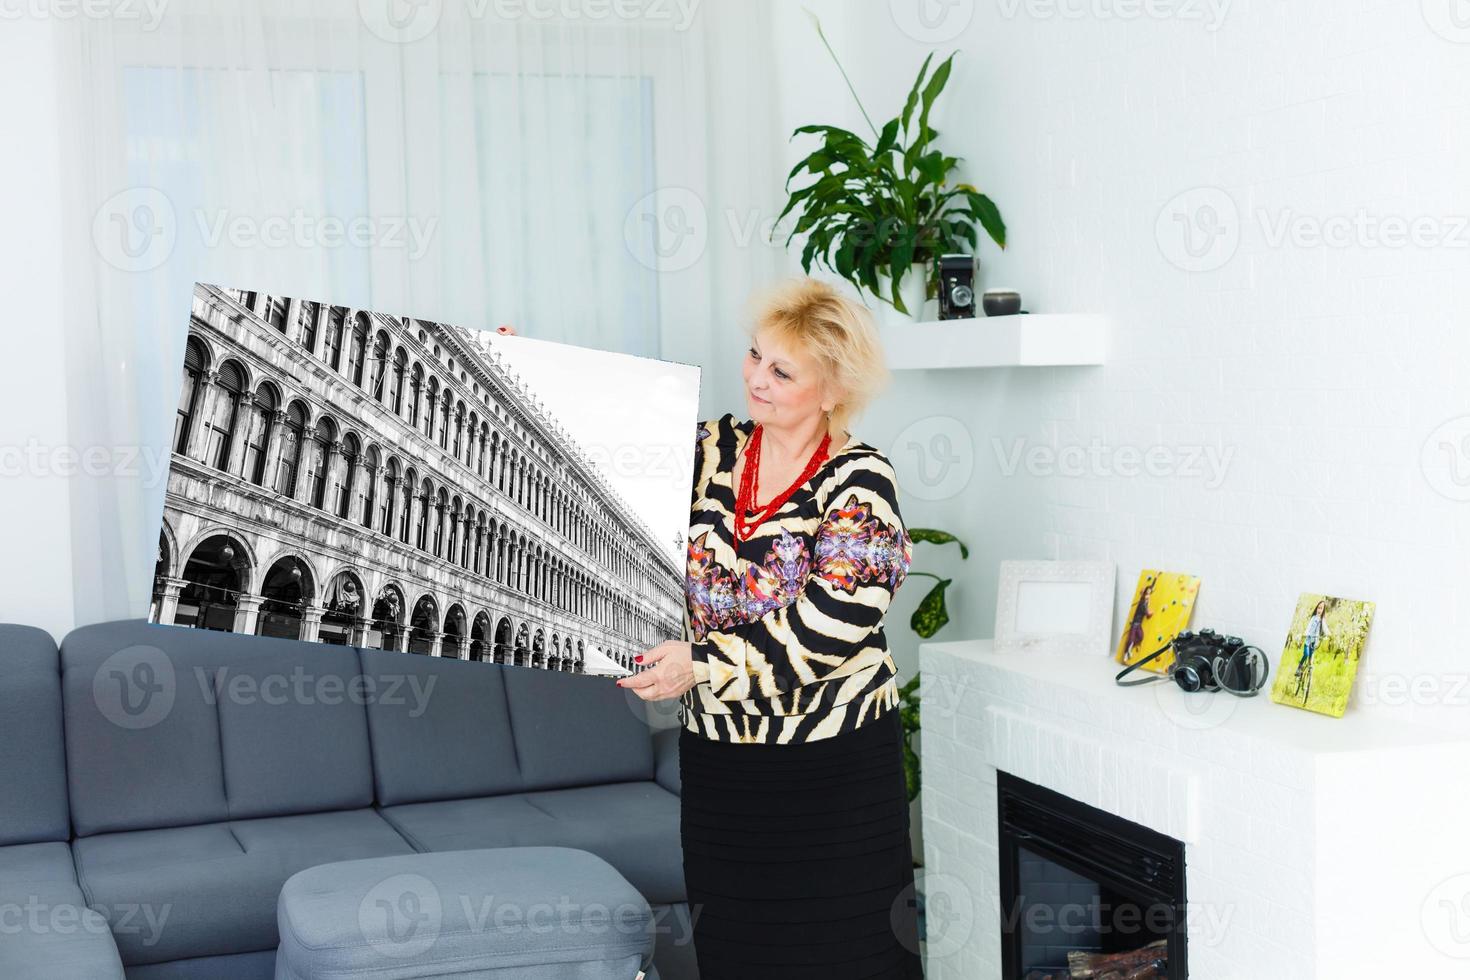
<point x="32" y="757"/>
<point x="211" y="889"/>
<point x="169" y="726"/>
<point x="517" y="913"/>
<point x="46" y="930"/>
<point x="576" y="729"/>
<point x="633" y="826"/>
<point x="439" y="728"/>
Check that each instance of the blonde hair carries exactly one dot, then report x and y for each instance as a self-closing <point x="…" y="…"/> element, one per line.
<point x="809" y="315"/>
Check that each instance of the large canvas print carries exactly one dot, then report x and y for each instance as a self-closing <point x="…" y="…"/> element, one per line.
<point x="347" y="476"/>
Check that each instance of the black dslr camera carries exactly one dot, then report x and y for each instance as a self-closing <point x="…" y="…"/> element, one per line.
<point x="1208" y="661"/>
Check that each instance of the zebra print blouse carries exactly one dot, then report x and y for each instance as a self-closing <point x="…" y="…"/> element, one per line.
<point x="787" y="636"/>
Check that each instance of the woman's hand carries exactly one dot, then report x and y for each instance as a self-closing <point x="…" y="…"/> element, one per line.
<point x="671" y="673"/>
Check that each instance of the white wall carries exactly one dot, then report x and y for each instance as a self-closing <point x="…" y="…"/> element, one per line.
<point x="36" y="575"/>
<point x="1329" y="378"/>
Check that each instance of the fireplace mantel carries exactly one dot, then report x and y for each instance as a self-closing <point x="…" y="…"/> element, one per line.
<point x="1315" y="846"/>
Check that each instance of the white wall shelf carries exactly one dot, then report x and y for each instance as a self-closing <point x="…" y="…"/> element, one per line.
<point x="1021" y="340"/>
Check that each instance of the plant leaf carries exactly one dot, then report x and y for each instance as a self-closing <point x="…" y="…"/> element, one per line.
<point x="936" y="536"/>
<point x="908" y="105"/>
<point x="931" y="615"/>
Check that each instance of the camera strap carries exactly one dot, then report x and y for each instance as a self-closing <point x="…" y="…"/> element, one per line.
<point x="1139" y="663"/>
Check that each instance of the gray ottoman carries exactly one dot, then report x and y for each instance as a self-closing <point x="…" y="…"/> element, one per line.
<point x="528" y="913"/>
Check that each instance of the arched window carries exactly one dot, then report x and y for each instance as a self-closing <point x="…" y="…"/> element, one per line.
<point x="262" y="417"/>
<point x="379" y="368"/>
<point x="221" y="429"/>
<point x="369" y="494"/>
<point x="332" y="347"/>
<point x="342" y="492"/>
<point x="316" y="467"/>
<point x="395" y="389"/>
<point x="194" y="364"/>
<point x="357" y="350"/>
<point x="292" y="439"/>
<point x="416" y="395"/>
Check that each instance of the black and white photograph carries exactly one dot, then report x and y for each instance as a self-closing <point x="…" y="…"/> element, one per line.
<point x="364" y="479"/>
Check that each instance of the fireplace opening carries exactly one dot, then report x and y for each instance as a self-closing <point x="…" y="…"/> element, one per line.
<point x="1084" y="892"/>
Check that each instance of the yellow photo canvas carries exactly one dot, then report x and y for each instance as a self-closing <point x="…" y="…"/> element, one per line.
<point x="1160" y="609"/>
<point x="1323" y="647"/>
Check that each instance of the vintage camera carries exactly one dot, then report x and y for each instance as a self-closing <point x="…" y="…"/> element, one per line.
<point x="956" y="287"/>
<point x="1208" y="661"/>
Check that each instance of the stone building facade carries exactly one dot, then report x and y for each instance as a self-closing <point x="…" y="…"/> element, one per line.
<point x="345" y="476"/>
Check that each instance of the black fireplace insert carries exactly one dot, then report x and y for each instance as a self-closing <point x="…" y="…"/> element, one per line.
<point x="1079" y="884"/>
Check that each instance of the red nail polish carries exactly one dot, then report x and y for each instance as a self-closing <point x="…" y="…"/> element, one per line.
<point x="638" y="659"/>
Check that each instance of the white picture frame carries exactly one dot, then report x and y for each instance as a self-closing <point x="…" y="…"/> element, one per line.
<point x="1055" y="607"/>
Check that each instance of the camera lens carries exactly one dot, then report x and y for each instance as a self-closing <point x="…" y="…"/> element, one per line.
<point x="962" y="295"/>
<point x="1187" y="678"/>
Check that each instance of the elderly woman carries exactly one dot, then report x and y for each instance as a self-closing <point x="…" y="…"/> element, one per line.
<point x="794" y="818"/>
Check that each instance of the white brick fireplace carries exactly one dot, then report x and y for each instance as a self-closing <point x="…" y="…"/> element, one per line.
<point x="1314" y="847"/>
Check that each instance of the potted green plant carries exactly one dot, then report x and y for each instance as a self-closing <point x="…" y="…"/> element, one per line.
<point x="928" y="618"/>
<point x="880" y="214"/>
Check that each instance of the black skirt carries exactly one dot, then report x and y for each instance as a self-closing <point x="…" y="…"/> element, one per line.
<point x="797" y="858"/>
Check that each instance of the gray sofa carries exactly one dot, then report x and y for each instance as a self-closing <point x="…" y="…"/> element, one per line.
<point x="202" y="769"/>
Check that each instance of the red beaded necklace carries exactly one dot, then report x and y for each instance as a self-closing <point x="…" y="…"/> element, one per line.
<point x="745" y="499"/>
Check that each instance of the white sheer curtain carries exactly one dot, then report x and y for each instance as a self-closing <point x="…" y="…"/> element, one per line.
<point x="591" y="173"/>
